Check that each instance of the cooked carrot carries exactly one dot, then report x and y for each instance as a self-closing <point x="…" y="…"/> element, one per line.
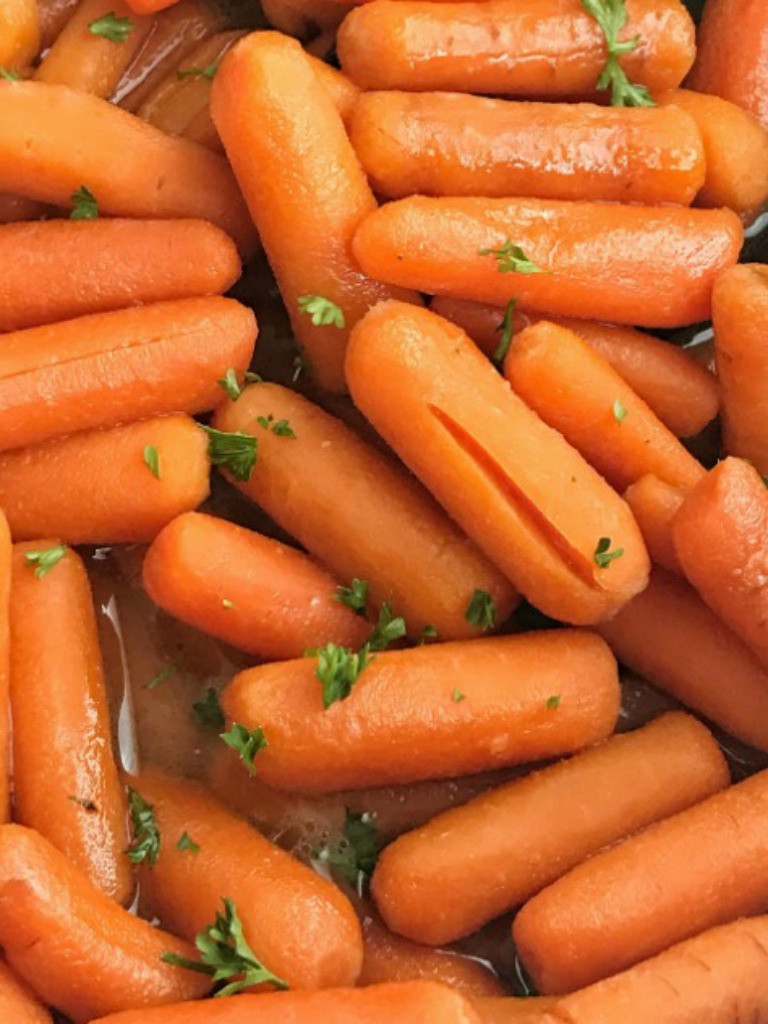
<point x="278" y="601"/>
<point x="334" y="492"/>
<point x="682" y="393"/>
<point x="150" y="6"/>
<point x="104" y="491"/>
<point x="538" y="48"/>
<point x="654" y="505"/>
<point x="53" y="141"/>
<point x="740" y="318"/>
<point x="304" y="187"/>
<point x="17" y="1004"/>
<point x="53" y="15"/>
<point x="537" y="509"/>
<point x="449" y="144"/>
<point x="341" y="89"/>
<point x="511" y="1010"/>
<point x="19" y="33"/>
<point x="106" y="369"/>
<point x="76" y="948"/>
<point x="578" y="393"/>
<point x="65" y="781"/>
<point x="603" y="260"/>
<point x="60" y="269"/>
<point x="669" y="636"/>
<point x="736" y="148"/>
<point x="16" y="208"/>
<point x="6" y="555"/>
<point x="471" y="864"/>
<point x="402" y="721"/>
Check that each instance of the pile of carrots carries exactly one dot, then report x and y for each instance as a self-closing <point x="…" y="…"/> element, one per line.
<point x="487" y="489"/>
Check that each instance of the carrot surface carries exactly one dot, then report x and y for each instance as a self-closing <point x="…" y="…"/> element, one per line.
<point x="654" y="505"/>
<point x="6" y="557"/>
<point x="514" y="1010"/>
<point x="150" y="6"/>
<point x="341" y="89"/>
<point x="19" y="33"/>
<point x="17" y="1004"/>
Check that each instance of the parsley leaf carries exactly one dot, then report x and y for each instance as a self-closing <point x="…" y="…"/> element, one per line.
<point x="186" y="843"/>
<point x="160" y="677"/>
<point x="110" y="27"/>
<point x="152" y="460"/>
<point x="45" y="560"/>
<point x="281" y="428"/>
<point x="354" y="596"/>
<point x="84" y="204"/>
<point x="481" y="610"/>
<point x="553" y="702"/>
<point x="507" y="328"/>
<point x="512" y="260"/>
<point x="9" y="75"/>
<point x="209" y="72"/>
<point x="427" y="634"/>
<point x="324" y="313"/>
<point x="246" y="743"/>
<point x="208" y="709"/>
<point x="234" y="450"/>
<point x="458" y="696"/>
<point x="619" y="411"/>
<point x="603" y="554"/>
<point x="145" y="845"/>
<point x="338" y="669"/>
<point x="354" y="858"/>
<point x="226" y="603"/>
<point x="388" y="628"/>
<point x="611" y="16"/>
<point x="229" y="383"/>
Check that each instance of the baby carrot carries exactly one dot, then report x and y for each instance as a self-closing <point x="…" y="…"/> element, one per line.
<point x="6" y="558"/>
<point x="449" y="144"/>
<point x="535" y="507"/>
<point x="76" y="948"/>
<point x="150" y="6"/>
<point x="678" y="877"/>
<point x="304" y="187"/>
<point x="515" y="1010"/>
<point x="19" y="33"/>
<point x="602" y="260"/>
<point x="654" y="505"/>
<point x="578" y="393"/>
<point x="403" y="720"/>
<point x="106" y="369"/>
<point x="17" y="1004"/>
<point x="536" y="48"/>
<point x="333" y="492"/>
<point x="54" y="141"/>
<point x="106" y="491"/>
<point x="60" y="269"/>
<point x="341" y="89"/>
<point x="249" y="590"/>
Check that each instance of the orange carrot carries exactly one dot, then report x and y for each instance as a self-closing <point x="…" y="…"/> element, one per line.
<point x="341" y="89"/>
<point x="682" y="393"/>
<point x="150" y="6"/>
<point x="60" y="269"/>
<point x="53" y="141"/>
<point x="669" y="636"/>
<point x="333" y="492"/>
<point x="17" y="1004"/>
<point x="403" y="721"/>
<point x="6" y="555"/>
<point x="512" y="1010"/>
<point x="105" y="492"/>
<point x="536" y="507"/>
<point x="77" y="949"/>
<point x="106" y="369"/>
<point x="654" y="505"/>
<point x="680" y="876"/>
<point x="247" y="589"/>
<point x="449" y="144"/>
<point x="578" y="393"/>
<point x="602" y="260"/>
<point x="304" y="187"/>
<point x="19" y="33"/>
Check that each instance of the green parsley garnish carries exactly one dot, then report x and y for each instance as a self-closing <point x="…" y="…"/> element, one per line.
<point x="186" y="843"/>
<point x="324" y="313"/>
<point x="512" y="260"/>
<point x="553" y="702"/>
<point x="458" y="696"/>
<point x="209" y="72"/>
<point x="84" y="205"/>
<point x="226" y="603"/>
<point x="355" y="856"/>
<point x="45" y="560"/>
<point x="110" y="27"/>
<point x="208" y="710"/>
<point x="481" y="610"/>
<point x="234" y="450"/>
<point x="162" y="675"/>
<point x="611" y="16"/>
<point x="427" y="634"/>
<point x="603" y="554"/>
<point x="246" y="742"/>
<point x="506" y="327"/>
<point x="388" y="628"/>
<point x="9" y="75"/>
<point x="338" y="669"/>
<point x="282" y="428"/>
<point x="152" y="460"/>
<point x="145" y="845"/>
<point x="619" y="411"/>
<point x="354" y="596"/>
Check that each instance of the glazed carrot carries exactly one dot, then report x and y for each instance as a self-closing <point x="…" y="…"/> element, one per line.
<point x="59" y="703"/>
<point x="511" y="1010"/>
<point x="682" y="393"/>
<point x="16" y="208"/>
<point x="740" y="315"/>
<point x="106" y="369"/>
<point x="17" y="1004"/>
<point x="19" y="33"/>
<point x="535" y="507"/>
<point x="60" y="269"/>
<point x="654" y="505"/>
<point x="471" y="864"/>
<point x="54" y="140"/>
<point x="736" y="148"/>
<point x="612" y="912"/>
<point x="602" y="259"/>
<point x="449" y="144"/>
<point x="732" y="53"/>
<point x="6" y="555"/>
<point x="669" y="636"/>
<point x="279" y="601"/>
<point x="578" y="393"/>
<point x="341" y="89"/>
<point x="104" y="491"/>
<point x="304" y="187"/>
<point x="333" y="492"/>
<point x="402" y="722"/>
<point x="76" y="948"/>
<point x="150" y="6"/>
<point x="543" y="48"/>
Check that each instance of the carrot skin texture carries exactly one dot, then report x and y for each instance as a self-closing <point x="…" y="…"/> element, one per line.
<point x="451" y="144"/>
<point x="58" y="269"/>
<point x="401" y="724"/>
<point x="113" y="368"/>
<point x="341" y="89"/>
<point x="281" y="602"/>
<point x="332" y="491"/>
<point x="549" y="48"/>
<point x="654" y="505"/>
<point x="19" y="33"/>
<point x="469" y="865"/>
<point x="6" y="560"/>
<point x="76" y="948"/>
<point x="602" y="259"/>
<point x="17" y="1004"/>
<point x="432" y="395"/>
<point x="575" y="390"/>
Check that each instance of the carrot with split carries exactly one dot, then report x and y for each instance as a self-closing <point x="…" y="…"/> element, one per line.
<point x="76" y="948"/>
<point x="112" y="368"/>
<point x="602" y="260"/>
<point x="17" y="1004"/>
<point x="304" y="187"/>
<point x="537" y="509"/>
<point x="61" y="269"/>
<point x="578" y="393"/>
<point x="451" y="144"/>
<point x="249" y="590"/>
<point x="333" y="491"/>
<point x="654" y="505"/>
<point x="106" y="490"/>
<point x="19" y="33"/>
<point x="6" y="561"/>
<point x="403" y="722"/>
